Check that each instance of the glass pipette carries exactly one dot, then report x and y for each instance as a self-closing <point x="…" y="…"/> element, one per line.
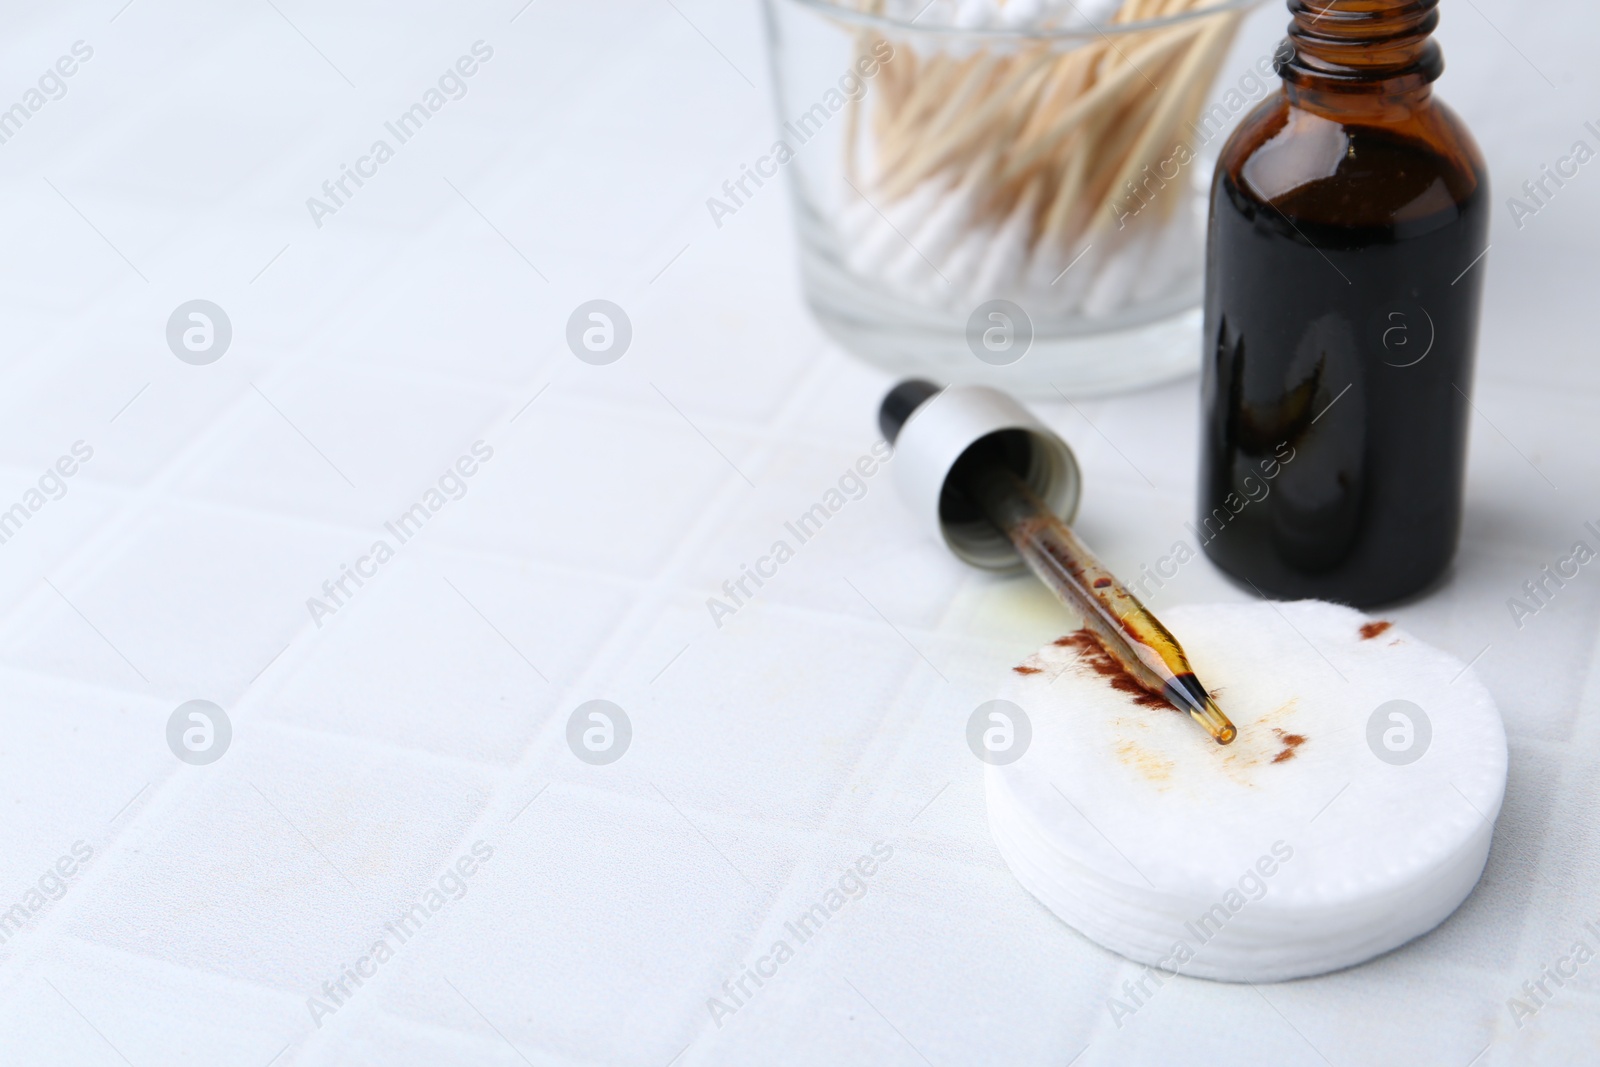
<point x="1123" y="626"/>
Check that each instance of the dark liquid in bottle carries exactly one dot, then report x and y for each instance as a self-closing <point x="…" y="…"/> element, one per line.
<point x="1340" y="327"/>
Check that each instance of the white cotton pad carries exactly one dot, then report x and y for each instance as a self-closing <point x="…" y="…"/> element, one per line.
<point x="1337" y="826"/>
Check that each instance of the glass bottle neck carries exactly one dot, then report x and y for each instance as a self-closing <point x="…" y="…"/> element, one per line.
<point x="1362" y="56"/>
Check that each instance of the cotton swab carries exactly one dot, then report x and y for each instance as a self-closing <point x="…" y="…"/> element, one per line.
<point x="998" y="168"/>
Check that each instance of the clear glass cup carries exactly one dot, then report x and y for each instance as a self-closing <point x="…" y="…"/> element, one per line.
<point x="1020" y="205"/>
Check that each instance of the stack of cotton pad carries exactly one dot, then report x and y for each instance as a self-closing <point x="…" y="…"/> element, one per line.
<point x="1353" y="812"/>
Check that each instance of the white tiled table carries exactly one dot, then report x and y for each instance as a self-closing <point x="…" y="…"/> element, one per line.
<point x="429" y="712"/>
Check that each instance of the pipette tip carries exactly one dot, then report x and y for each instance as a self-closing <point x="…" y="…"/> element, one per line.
<point x="1187" y="693"/>
<point x="1216" y="723"/>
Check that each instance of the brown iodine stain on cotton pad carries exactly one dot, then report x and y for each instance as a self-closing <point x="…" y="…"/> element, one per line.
<point x="1290" y="742"/>
<point x="1262" y="738"/>
<point x="1103" y="766"/>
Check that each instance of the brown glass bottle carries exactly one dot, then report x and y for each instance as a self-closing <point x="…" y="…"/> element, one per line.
<point x="1349" y="213"/>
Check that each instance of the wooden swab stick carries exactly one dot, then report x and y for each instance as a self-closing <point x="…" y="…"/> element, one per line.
<point x="1196" y="65"/>
<point x="1113" y="91"/>
<point x="1013" y="87"/>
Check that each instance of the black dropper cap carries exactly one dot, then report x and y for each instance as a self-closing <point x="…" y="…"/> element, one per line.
<point x="900" y="402"/>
